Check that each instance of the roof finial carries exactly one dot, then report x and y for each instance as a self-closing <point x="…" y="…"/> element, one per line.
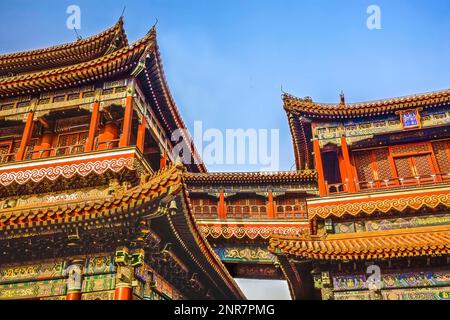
<point x="77" y="34"/>
<point x="156" y="22"/>
<point x="342" y="96"/>
<point x="123" y="12"/>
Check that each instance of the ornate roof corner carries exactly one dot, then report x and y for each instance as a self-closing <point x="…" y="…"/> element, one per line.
<point x="420" y="241"/>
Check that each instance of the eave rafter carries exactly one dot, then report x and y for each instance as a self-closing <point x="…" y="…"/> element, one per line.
<point x="374" y="245"/>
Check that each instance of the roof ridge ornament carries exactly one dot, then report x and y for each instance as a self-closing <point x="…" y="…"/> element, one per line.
<point x="342" y="98"/>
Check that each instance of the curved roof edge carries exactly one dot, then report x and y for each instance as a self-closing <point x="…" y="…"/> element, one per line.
<point x="103" y="43"/>
<point x="308" y="107"/>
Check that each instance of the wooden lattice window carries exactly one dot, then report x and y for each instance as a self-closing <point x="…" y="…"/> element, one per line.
<point x="5" y="151"/>
<point x="383" y="165"/>
<point x="442" y="153"/>
<point x="364" y="169"/>
<point x="71" y="143"/>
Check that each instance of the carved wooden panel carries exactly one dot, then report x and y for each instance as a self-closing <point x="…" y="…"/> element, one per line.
<point x="383" y="165"/>
<point x="441" y="151"/>
<point x="364" y="169"/>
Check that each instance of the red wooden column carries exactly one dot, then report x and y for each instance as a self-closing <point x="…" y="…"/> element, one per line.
<point x="123" y="292"/>
<point x="140" y="143"/>
<point x="108" y="133"/>
<point x="25" y="137"/>
<point x="348" y="165"/>
<point x="93" y="126"/>
<point x="163" y="160"/>
<point x="319" y="168"/>
<point x="342" y="168"/>
<point x="270" y="206"/>
<point x="127" y="122"/>
<point x="45" y="143"/>
<point x="222" y="209"/>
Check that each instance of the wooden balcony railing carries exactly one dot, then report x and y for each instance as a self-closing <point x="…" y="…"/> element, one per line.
<point x="401" y="182"/>
<point x="246" y="211"/>
<point x="52" y="152"/>
<point x="290" y="212"/>
<point x="31" y="154"/>
<point x="103" y="145"/>
<point x="250" y="212"/>
<point x="206" y="211"/>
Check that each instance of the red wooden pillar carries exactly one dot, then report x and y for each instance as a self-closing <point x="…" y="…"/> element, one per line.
<point x="93" y="126"/>
<point x="342" y="169"/>
<point x="73" y="295"/>
<point x="127" y="122"/>
<point x="45" y="143"/>
<point x="140" y="143"/>
<point x="222" y="208"/>
<point x="348" y="165"/>
<point x="319" y="168"/>
<point x="123" y="292"/>
<point x="27" y="132"/>
<point x="163" y="160"/>
<point x="270" y="206"/>
<point x="107" y="134"/>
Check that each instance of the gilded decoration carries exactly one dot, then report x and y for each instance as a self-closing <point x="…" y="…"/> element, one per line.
<point x="382" y="205"/>
<point x="394" y="280"/>
<point x="98" y="265"/>
<point x="442" y="293"/>
<point x="32" y="272"/>
<point x="35" y="289"/>
<point x="250" y="231"/>
<point x="245" y="254"/>
<point x="391" y="223"/>
<point x="50" y="198"/>
<point x="67" y="171"/>
<point x="99" y="295"/>
<point x="99" y="282"/>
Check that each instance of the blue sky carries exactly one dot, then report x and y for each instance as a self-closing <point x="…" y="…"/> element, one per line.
<point x="227" y="60"/>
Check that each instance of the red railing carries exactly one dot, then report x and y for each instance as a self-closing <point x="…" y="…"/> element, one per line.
<point x="103" y="145"/>
<point x="246" y="211"/>
<point x="249" y="212"/>
<point x="205" y="211"/>
<point x="290" y="211"/>
<point x="31" y="154"/>
<point x="51" y="152"/>
<point x="390" y="183"/>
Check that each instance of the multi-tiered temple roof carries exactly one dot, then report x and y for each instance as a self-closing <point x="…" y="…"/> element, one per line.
<point x="72" y="53"/>
<point x="61" y="201"/>
<point x="301" y="111"/>
<point x="106" y="56"/>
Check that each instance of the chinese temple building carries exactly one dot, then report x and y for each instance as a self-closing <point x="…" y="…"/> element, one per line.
<point x="380" y="228"/>
<point x="92" y="204"/>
